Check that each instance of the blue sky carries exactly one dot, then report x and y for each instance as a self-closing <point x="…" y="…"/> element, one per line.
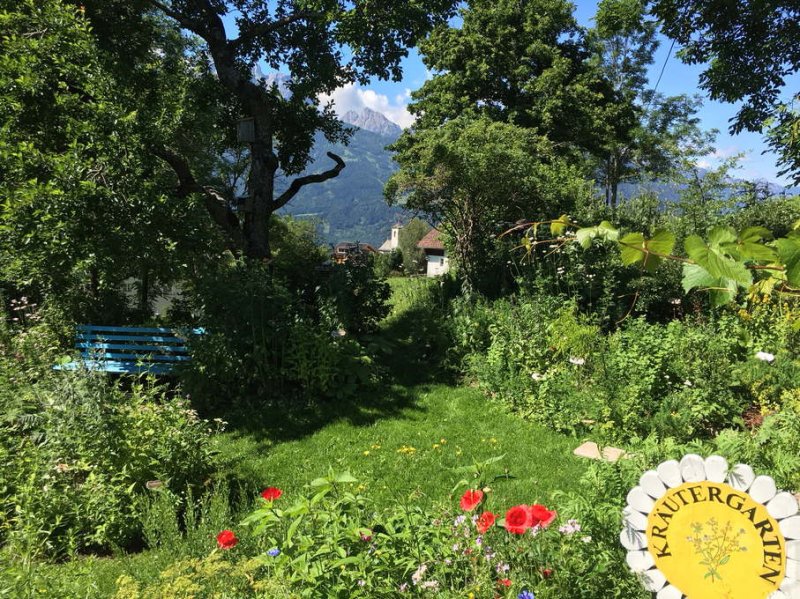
<point x="391" y="99"/>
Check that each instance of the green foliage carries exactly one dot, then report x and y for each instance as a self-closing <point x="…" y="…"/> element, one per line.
<point x="746" y="61"/>
<point x="413" y="257"/>
<point x="83" y="208"/>
<point x="474" y="177"/>
<point x="306" y="41"/>
<point x="77" y="451"/>
<point x="686" y="380"/>
<point x="774" y="445"/>
<point x="262" y="342"/>
<point x="298" y="254"/>
<point x="388" y="264"/>
<point x="331" y="540"/>
<point x="724" y="263"/>
<point x="524" y="64"/>
<point x="357" y="296"/>
<point x="644" y="134"/>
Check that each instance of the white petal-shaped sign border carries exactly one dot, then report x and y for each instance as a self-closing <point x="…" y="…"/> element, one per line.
<point x="782" y="506"/>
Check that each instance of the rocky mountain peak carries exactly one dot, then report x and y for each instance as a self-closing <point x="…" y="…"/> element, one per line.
<point x="371" y="120"/>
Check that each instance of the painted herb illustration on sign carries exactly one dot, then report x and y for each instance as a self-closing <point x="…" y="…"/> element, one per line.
<point x="716" y="545"/>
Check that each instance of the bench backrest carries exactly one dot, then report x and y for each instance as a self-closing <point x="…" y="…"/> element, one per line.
<point x="158" y="348"/>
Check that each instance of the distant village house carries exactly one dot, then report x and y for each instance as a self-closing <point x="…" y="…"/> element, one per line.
<point x="346" y="249"/>
<point x="435" y="254"/>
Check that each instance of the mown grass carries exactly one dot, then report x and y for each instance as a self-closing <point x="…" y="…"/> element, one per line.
<point x="404" y="437"/>
<point x="416" y="450"/>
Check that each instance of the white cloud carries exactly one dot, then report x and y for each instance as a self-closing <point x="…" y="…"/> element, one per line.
<point x="355" y="97"/>
<point x="720" y="155"/>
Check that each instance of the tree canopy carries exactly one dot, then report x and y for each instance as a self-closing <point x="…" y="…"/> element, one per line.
<point x="525" y="63"/>
<point x="321" y="45"/>
<point x="750" y="49"/>
<point x="475" y="177"/>
<point x="83" y="207"/>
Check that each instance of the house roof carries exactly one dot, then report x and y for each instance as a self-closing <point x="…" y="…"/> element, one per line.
<point x="386" y="247"/>
<point x="431" y="241"/>
<point x="351" y="246"/>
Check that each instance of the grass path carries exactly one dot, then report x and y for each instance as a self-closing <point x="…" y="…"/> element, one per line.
<point x="415" y="450"/>
<point x="405" y="436"/>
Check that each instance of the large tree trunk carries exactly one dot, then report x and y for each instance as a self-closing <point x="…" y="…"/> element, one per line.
<point x="252" y="232"/>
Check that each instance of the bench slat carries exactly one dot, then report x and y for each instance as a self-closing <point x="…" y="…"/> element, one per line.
<point x="94" y="327"/>
<point x="136" y="357"/>
<point x="170" y="349"/>
<point x="142" y="338"/>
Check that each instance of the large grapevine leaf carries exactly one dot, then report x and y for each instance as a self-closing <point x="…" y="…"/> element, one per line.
<point x="713" y="260"/>
<point x="789" y="254"/>
<point x="632" y="248"/>
<point x="719" y="236"/>
<point x="605" y="230"/>
<point x="557" y="227"/>
<point x="721" y="291"/>
<point x="750" y="246"/>
<point x="636" y="249"/>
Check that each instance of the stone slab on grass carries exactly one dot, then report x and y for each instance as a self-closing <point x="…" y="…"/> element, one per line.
<point x="590" y="450"/>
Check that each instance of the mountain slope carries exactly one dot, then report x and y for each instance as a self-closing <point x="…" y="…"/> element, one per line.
<point x="351" y="206"/>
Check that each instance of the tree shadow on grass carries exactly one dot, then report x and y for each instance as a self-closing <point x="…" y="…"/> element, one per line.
<point x="408" y="352"/>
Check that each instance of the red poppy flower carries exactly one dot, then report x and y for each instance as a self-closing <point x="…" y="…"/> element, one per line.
<point x="542" y="516"/>
<point x="470" y="499"/>
<point x="271" y="493"/>
<point x="547" y="572"/>
<point x="226" y="539"/>
<point x="485" y="522"/>
<point x="504" y="582"/>
<point x="519" y="519"/>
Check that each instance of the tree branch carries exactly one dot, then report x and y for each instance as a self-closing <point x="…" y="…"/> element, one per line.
<point x="267" y="28"/>
<point x="182" y="19"/>
<point x="215" y="203"/>
<point x="300" y="182"/>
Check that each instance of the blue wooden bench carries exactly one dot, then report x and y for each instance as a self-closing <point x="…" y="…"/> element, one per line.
<point x="129" y="349"/>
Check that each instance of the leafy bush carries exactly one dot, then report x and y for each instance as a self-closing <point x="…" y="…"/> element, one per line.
<point x="389" y="264"/>
<point x="774" y="445"/>
<point x="263" y="342"/>
<point x="684" y="379"/>
<point x="76" y="452"/>
<point x="355" y="296"/>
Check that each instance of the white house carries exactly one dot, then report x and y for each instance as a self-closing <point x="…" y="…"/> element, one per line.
<point x="392" y="243"/>
<point x="435" y="254"/>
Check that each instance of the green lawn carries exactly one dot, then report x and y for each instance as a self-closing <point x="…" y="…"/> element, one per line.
<point x="414" y="449"/>
<point x="405" y="436"/>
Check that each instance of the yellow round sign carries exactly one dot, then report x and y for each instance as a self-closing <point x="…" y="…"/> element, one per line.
<point x="711" y="540"/>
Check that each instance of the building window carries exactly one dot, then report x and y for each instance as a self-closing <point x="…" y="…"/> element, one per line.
<point x="441" y="261"/>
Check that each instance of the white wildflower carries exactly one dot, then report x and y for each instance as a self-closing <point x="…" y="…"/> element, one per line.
<point x="416" y="577"/>
<point x="577" y="361"/>
<point x="765" y="356"/>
